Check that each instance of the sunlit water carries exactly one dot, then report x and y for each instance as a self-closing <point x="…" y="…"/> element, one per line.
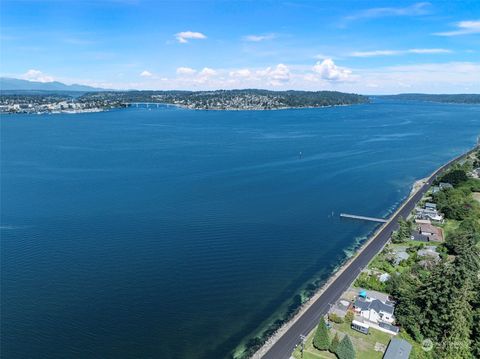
<point x="170" y="233"/>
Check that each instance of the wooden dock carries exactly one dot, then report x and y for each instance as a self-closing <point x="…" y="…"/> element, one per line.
<point x="371" y="219"/>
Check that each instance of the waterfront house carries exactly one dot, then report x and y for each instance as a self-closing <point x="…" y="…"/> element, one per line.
<point x="433" y="233"/>
<point x="374" y="309"/>
<point x="417" y="236"/>
<point x="427" y="213"/>
<point x="431" y="206"/>
<point x="424" y="221"/>
<point x="398" y="349"/>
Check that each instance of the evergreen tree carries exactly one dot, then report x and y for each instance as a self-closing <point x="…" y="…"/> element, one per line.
<point x="334" y="344"/>
<point x="321" y="340"/>
<point x="403" y="233"/>
<point x="345" y="349"/>
<point x="455" y="177"/>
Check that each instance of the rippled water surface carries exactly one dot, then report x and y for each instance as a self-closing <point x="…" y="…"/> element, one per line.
<point x="169" y="233"/>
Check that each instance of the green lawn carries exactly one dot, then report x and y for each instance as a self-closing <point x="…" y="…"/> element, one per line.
<point x="310" y="352"/>
<point x="364" y="344"/>
<point x="449" y="226"/>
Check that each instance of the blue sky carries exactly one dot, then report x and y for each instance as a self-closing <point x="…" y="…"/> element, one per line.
<point x="359" y="46"/>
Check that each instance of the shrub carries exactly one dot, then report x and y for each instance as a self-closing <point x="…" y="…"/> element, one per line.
<point x="349" y="316"/>
<point x="335" y="318"/>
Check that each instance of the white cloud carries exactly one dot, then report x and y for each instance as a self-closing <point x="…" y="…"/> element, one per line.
<point x="146" y="73"/>
<point x="242" y="73"/>
<point x="207" y="72"/>
<point x="36" y="75"/>
<point x="185" y="71"/>
<point x="463" y="28"/>
<point x="374" y="53"/>
<point x="429" y="51"/>
<point x="258" y="38"/>
<point x="329" y="71"/>
<point x="398" y="52"/>
<point x="420" y="8"/>
<point x="184" y="36"/>
<point x="205" y="75"/>
<point x="276" y="76"/>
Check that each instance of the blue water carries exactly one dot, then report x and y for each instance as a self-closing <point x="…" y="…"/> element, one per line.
<point x="170" y="233"/>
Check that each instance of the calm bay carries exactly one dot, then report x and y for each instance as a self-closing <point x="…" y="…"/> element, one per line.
<point x="172" y="233"/>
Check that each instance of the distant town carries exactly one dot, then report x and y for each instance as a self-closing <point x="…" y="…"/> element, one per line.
<point x="39" y="102"/>
<point x="53" y="103"/>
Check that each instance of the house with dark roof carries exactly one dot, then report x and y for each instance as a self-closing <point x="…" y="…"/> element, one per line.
<point x="417" y="236"/>
<point x="398" y="349"/>
<point x="433" y="233"/>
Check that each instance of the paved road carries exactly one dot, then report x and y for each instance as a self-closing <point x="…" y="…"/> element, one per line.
<point x="284" y="347"/>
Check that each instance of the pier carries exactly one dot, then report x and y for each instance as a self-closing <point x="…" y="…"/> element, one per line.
<point x="371" y="219"/>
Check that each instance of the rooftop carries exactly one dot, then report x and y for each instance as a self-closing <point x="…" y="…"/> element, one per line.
<point x="398" y="349"/>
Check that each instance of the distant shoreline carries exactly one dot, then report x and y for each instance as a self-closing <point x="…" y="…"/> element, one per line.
<point x="184" y="107"/>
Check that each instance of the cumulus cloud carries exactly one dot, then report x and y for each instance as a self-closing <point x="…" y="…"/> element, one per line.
<point x="258" y="38"/>
<point x="36" y="75"/>
<point x="331" y="72"/>
<point x="276" y="76"/>
<point x="463" y="28"/>
<point x="185" y="71"/>
<point x="184" y="36"/>
<point x="146" y="73"/>
<point x="242" y="73"/>
<point x="448" y="77"/>
<point x="207" y="72"/>
<point x="398" y="52"/>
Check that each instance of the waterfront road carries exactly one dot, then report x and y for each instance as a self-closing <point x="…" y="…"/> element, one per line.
<point x="285" y="345"/>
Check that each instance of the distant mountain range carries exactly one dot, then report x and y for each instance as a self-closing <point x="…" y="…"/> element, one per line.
<point x="11" y="84"/>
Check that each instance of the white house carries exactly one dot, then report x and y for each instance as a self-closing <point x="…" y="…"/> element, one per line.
<point x="374" y="310"/>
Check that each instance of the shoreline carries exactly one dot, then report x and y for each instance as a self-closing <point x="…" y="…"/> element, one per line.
<point x="185" y="107"/>
<point x="416" y="188"/>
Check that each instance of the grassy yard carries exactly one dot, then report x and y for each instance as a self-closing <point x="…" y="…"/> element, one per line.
<point x="364" y="344"/>
<point x="310" y="352"/>
<point x="449" y="226"/>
